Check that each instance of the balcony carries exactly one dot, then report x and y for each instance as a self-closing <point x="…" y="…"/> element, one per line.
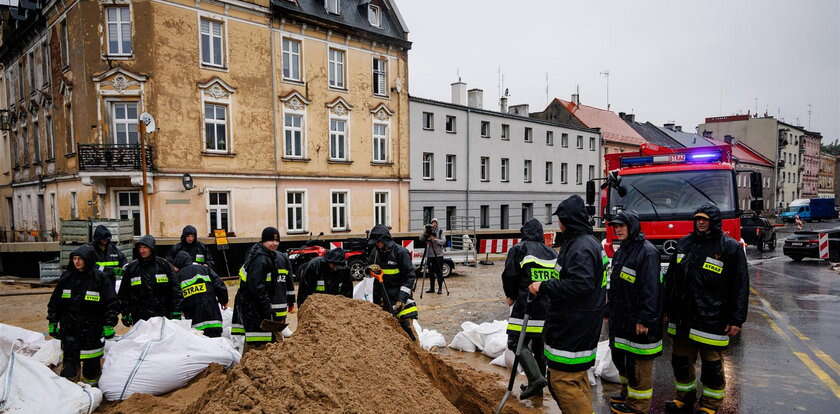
<point x="109" y="157"/>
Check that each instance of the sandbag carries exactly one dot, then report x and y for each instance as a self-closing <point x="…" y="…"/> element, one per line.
<point x="227" y="320"/>
<point x="604" y="367"/>
<point x="158" y="356"/>
<point x="428" y="338"/>
<point x="495" y="344"/>
<point x="30" y="343"/>
<point x="364" y="290"/>
<point x="28" y="386"/>
<point x="462" y="343"/>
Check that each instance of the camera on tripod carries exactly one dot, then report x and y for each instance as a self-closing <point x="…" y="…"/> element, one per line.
<point x="429" y="232"/>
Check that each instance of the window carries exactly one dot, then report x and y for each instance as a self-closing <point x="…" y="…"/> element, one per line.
<point x="68" y="123"/>
<point x="505" y="131"/>
<point x="450" y="124"/>
<point x="333" y="6"/>
<point x="338" y="139"/>
<point x="212" y="46"/>
<point x="33" y="82"/>
<point x="295" y="211"/>
<point x="215" y="127"/>
<point x="24" y="132"/>
<point x="504" y="217"/>
<point x="74" y="205"/>
<point x="293" y="131"/>
<point x="485" y="216"/>
<point x="529" y="134"/>
<point x="338" y="210"/>
<point x="36" y="139"/>
<point x="564" y="173"/>
<point x="450" y="217"/>
<point x="21" y="85"/>
<point x="580" y="141"/>
<point x="380" y="143"/>
<point x="579" y="174"/>
<point x="45" y="64"/>
<point x="124" y="116"/>
<point x="527" y="171"/>
<point x="564" y="140"/>
<point x="374" y="17"/>
<point x="549" y="172"/>
<point x="291" y="59"/>
<point x="119" y="30"/>
<point x="450" y="167"/>
<point x="549" y="216"/>
<point x="51" y="139"/>
<point x="380" y="208"/>
<point x="527" y="212"/>
<point x="428" y="166"/>
<point x="485" y="129"/>
<point x="505" y="170"/>
<point x="591" y="172"/>
<point x="336" y="63"/>
<point x="428" y="121"/>
<point x="592" y="143"/>
<point x="219" y="210"/>
<point x="485" y="168"/>
<point x="128" y="208"/>
<point x="63" y="38"/>
<point x="549" y="138"/>
<point x="380" y="76"/>
<point x="428" y="214"/>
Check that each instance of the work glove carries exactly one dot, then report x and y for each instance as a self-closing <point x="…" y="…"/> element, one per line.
<point x="53" y="330"/>
<point x="375" y="271"/>
<point x="398" y="306"/>
<point x="127" y="320"/>
<point x="175" y="315"/>
<point x="108" y="331"/>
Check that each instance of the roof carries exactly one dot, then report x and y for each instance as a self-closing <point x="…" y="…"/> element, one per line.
<point x="653" y="135"/>
<point x="613" y="128"/>
<point x="744" y="153"/>
<point x="687" y="139"/>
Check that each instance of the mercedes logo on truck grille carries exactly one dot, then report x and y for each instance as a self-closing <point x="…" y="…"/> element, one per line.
<point x="669" y="247"/>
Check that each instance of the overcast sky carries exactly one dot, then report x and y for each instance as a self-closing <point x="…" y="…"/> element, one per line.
<point x="668" y="60"/>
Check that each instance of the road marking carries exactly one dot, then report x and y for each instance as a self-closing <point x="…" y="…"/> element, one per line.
<point x="790" y="277"/>
<point x="799" y="334"/>
<point x="822" y="375"/>
<point x="827" y="360"/>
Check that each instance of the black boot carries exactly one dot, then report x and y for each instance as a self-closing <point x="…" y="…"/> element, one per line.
<point x="431" y="290"/>
<point x="622" y="408"/>
<point x="536" y="380"/>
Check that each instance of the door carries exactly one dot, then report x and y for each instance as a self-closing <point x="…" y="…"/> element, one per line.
<point x="450" y="217"/>
<point x="128" y="207"/>
<point x="42" y="219"/>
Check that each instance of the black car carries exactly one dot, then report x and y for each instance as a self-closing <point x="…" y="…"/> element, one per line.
<point x="802" y="244"/>
<point x="758" y="231"/>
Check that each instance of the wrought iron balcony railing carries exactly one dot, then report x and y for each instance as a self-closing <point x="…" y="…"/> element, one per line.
<point x="112" y="157"/>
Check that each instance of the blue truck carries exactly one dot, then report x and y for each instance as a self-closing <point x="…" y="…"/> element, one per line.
<point x="810" y="210"/>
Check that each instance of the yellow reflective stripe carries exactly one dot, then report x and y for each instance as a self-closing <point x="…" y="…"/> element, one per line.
<point x="107" y="264"/>
<point x="406" y="311"/>
<point x="320" y="287"/>
<point x="684" y="387"/>
<point x="628" y="277"/>
<point x="243" y="275"/>
<point x="708" y="338"/>
<point x="257" y="336"/>
<point x="713" y="393"/>
<point x="66" y="293"/>
<point x="161" y="278"/>
<point x="91" y="353"/>
<point x="680" y="257"/>
<point x="390" y="271"/>
<point x="194" y="280"/>
<point x="547" y="263"/>
<point x="639" y="394"/>
<point x="529" y="329"/>
<point x="672" y="328"/>
<point x="282" y="271"/>
<point x="712" y="267"/>
<point x="281" y="314"/>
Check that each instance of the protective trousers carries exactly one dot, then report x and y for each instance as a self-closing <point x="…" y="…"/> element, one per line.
<point x="683" y="358"/>
<point x="535" y="344"/>
<point x="435" y="272"/>
<point x="636" y="379"/>
<point x="91" y="367"/>
<point x="571" y="391"/>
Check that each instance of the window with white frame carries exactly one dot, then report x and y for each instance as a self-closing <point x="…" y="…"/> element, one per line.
<point x="580" y="141"/>
<point x="212" y="43"/>
<point x="293" y="130"/>
<point x="485" y="129"/>
<point x="124" y="121"/>
<point x="338" y="210"/>
<point x="380" y="142"/>
<point x="338" y="139"/>
<point x="529" y="134"/>
<point x="380" y="76"/>
<point x="295" y="211"/>
<point x="505" y="172"/>
<point x="128" y="207"/>
<point x="428" y="121"/>
<point x="291" y="59"/>
<point x="118" y="19"/>
<point x="50" y="138"/>
<point x="564" y="173"/>
<point x="219" y="210"/>
<point x="333" y="6"/>
<point x="450" y="124"/>
<point x="485" y="168"/>
<point x="526" y="171"/>
<point x="549" y="138"/>
<point x="336" y="68"/>
<point x="505" y="131"/>
<point x="450" y="167"/>
<point x="381" y="208"/>
<point x="564" y="140"/>
<point x="592" y="143"/>
<point x="215" y="127"/>
<point x="549" y="172"/>
<point x="374" y="15"/>
<point x="63" y="38"/>
<point x="428" y="166"/>
<point x="579" y="174"/>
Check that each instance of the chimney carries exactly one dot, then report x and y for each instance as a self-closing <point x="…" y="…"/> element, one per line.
<point x="729" y="139"/>
<point x="621" y="115"/>
<point x="707" y="133"/>
<point x="520" y="110"/>
<point x="678" y="128"/>
<point x="630" y="118"/>
<point x="503" y="102"/>
<point x="576" y="99"/>
<point x="459" y="93"/>
<point x="669" y="126"/>
<point x="475" y="98"/>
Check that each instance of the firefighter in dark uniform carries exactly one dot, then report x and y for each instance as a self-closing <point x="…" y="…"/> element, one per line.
<point x="257" y="291"/>
<point x="148" y="288"/>
<point x="707" y="291"/>
<point x="327" y="275"/>
<point x="283" y="300"/>
<point x="82" y="310"/>
<point x="635" y="314"/>
<point x="529" y="261"/>
<point x="189" y="243"/>
<point x="397" y="273"/>
<point x="203" y="293"/>
<point x="109" y="259"/>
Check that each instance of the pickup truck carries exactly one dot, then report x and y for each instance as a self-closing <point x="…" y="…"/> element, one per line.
<point x="758" y="231"/>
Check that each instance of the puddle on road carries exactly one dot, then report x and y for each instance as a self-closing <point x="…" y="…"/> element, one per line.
<point x="816" y="297"/>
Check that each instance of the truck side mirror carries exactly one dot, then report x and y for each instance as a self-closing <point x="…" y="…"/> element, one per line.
<point x="757" y="206"/>
<point x="756" y="185"/>
<point x="590" y="194"/>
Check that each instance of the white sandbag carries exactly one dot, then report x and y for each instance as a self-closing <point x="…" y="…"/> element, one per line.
<point x="158" y="356"/>
<point x="49" y="353"/>
<point x="505" y="360"/>
<point x="604" y="367"/>
<point x="462" y="343"/>
<point x="495" y="344"/>
<point x="429" y="338"/>
<point x="471" y="332"/>
<point x="26" y="342"/>
<point x="364" y="290"/>
<point x="499" y="361"/>
<point x="590" y="373"/>
<point x="227" y="320"/>
<point x="28" y="386"/>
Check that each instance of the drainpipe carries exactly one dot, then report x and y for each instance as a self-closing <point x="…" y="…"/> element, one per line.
<point x="468" y="163"/>
<point x="274" y="125"/>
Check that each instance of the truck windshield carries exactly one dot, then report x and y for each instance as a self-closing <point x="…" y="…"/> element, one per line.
<point x="793" y="209"/>
<point x="673" y="195"/>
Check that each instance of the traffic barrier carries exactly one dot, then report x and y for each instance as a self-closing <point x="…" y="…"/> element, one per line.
<point x="496" y="245"/>
<point x="823" y="245"/>
<point x="336" y="245"/>
<point x="409" y="245"/>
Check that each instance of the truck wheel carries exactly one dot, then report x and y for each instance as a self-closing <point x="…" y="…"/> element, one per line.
<point x="357" y="269"/>
<point x="446" y="268"/>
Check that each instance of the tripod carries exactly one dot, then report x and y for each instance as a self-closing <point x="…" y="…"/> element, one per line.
<point x="423" y="270"/>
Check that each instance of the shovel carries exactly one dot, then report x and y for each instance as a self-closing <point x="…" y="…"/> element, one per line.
<point x="274" y="327"/>
<point x="519" y="345"/>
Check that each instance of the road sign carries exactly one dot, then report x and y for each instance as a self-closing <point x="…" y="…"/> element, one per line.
<point x="221" y="239"/>
<point x="149" y="120"/>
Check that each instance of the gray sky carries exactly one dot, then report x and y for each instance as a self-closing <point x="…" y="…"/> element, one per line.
<point x="669" y="60"/>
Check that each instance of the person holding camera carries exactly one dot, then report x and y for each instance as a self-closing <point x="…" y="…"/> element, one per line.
<point x="435" y="242"/>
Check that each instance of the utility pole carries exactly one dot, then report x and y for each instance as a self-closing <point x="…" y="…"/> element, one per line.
<point x="606" y="74"/>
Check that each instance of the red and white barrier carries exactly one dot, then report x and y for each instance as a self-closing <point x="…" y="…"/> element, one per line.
<point x="336" y="245"/>
<point x="409" y="245"/>
<point x="496" y="245"/>
<point x="823" y="245"/>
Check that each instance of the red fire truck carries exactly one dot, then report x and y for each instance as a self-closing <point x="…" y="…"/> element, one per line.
<point x="665" y="186"/>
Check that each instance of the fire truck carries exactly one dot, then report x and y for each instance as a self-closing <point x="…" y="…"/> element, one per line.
<point x="664" y="186"/>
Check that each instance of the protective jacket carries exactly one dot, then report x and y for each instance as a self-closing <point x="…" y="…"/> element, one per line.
<point x="203" y="291"/>
<point x="256" y="295"/>
<point x="198" y="251"/>
<point x="578" y="297"/>
<point x="82" y="304"/>
<point x="316" y="277"/>
<point x="109" y="260"/>
<point x="707" y="284"/>
<point x="284" y="291"/>
<point x="149" y="288"/>
<point x="398" y="271"/>
<point x="635" y="293"/>
<point x="528" y="261"/>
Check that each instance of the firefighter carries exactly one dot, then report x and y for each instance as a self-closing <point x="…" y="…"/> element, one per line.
<point x="707" y="290"/>
<point x="189" y="243"/>
<point x="109" y="259"/>
<point x="529" y="261"/>
<point x="397" y="277"/>
<point x="149" y="287"/>
<point x="635" y="314"/>
<point x="283" y="301"/>
<point x="257" y="291"/>
<point x="82" y="310"/>
<point x="203" y="292"/>
<point x="577" y="301"/>
<point x="328" y="275"/>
